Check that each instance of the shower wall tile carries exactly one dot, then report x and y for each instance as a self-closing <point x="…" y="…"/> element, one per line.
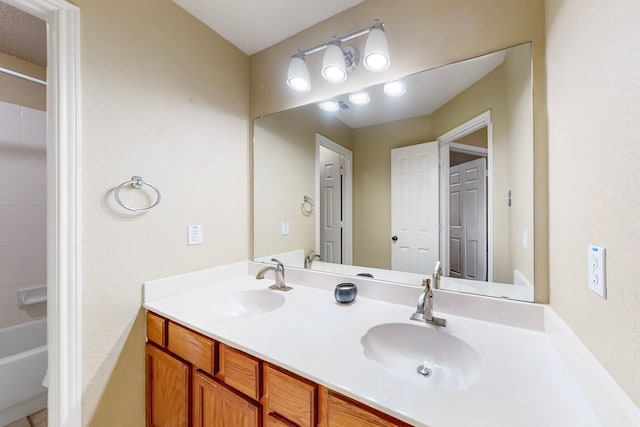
<point x="23" y="181"/>
<point x="31" y="215"/>
<point x="9" y="123"/>
<point x="33" y="129"/>
<point x="10" y="215"/>
<point x="9" y="256"/>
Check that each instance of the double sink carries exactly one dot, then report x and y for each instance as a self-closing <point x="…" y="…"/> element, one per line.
<point x="425" y="355"/>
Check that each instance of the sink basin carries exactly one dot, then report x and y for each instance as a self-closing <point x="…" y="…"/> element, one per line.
<point x="423" y="355"/>
<point x="247" y="303"/>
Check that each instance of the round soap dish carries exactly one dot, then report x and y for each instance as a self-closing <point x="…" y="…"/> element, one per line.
<point x="345" y="292"/>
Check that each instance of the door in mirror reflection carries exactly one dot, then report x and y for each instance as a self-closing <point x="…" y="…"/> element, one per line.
<point x="414" y="208"/>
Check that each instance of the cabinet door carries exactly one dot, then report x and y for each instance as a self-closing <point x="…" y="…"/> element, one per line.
<point x="290" y="397"/>
<point x="214" y="405"/>
<point x="340" y="411"/>
<point x="167" y="389"/>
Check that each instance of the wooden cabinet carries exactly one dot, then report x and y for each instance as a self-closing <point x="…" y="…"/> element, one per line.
<point x="289" y="397"/>
<point x="192" y="347"/>
<point x="156" y="329"/>
<point x="216" y="405"/>
<point x="167" y="389"/>
<point x="240" y="371"/>
<point x="339" y="411"/>
<point x="194" y="380"/>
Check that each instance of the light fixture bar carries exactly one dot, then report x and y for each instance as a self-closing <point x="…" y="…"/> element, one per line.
<point x="340" y="39"/>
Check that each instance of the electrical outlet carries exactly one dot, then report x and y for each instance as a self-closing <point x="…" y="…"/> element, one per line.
<point x="194" y="236"/>
<point x="597" y="272"/>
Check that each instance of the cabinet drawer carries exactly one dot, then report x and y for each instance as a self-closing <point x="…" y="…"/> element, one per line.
<point x="290" y="396"/>
<point x="156" y="329"/>
<point x="340" y="411"/>
<point x="192" y="347"/>
<point x="240" y="371"/>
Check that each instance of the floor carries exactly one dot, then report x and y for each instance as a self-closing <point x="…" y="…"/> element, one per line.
<point x="39" y="419"/>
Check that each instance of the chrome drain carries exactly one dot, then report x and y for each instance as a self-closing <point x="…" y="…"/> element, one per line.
<point x="424" y="370"/>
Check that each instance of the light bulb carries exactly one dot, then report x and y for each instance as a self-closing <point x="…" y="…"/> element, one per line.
<point x="298" y="75"/>
<point x="376" y="51"/>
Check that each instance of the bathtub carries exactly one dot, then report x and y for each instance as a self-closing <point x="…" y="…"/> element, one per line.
<point x="23" y="363"/>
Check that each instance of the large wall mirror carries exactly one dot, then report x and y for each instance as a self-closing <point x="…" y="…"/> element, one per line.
<point x="442" y="171"/>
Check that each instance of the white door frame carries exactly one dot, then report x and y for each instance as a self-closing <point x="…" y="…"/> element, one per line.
<point x="445" y="142"/>
<point x="347" y="196"/>
<point x="63" y="207"/>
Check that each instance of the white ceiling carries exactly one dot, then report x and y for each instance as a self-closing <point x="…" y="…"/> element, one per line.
<point x="22" y="35"/>
<point x="254" y="25"/>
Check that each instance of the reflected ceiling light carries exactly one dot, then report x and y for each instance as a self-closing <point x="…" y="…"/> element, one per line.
<point x="330" y="106"/>
<point x="376" y="50"/>
<point x="298" y="74"/>
<point x="359" y="98"/>
<point x="340" y="60"/>
<point x="396" y="88"/>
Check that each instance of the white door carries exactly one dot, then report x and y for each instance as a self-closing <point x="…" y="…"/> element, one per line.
<point x="330" y="206"/>
<point x="468" y="220"/>
<point x="414" y="208"/>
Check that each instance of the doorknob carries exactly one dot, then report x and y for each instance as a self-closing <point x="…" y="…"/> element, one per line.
<point x="394" y="238"/>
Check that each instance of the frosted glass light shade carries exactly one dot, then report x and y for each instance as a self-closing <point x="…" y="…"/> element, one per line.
<point x="334" y="68"/>
<point x="376" y="51"/>
<point x="298" y="75"/>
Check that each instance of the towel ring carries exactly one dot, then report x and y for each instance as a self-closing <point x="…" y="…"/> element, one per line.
<point x="307" y="206"/>
<point x="137" y="182"/>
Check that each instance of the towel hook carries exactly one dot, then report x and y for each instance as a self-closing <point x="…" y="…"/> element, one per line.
<point x="137" y="182"/>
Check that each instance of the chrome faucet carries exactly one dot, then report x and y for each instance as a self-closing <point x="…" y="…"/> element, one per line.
<point x="278" y="272"/>
<point x="308" y="261"/>
<point x="436" y="275"/>
<point x="424" y="311"/>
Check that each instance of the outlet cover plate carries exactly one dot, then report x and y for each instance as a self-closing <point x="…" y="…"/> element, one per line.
<point x="596" y="270"/>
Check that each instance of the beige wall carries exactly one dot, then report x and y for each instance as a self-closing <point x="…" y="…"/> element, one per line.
<point x="165" y="98"/>
<point x="284" y="172"/>
<point x="519" y="112"/>
<point x="594" y="193"/>
<point x="372" y="147"/>
<point x="19" y="91"/>
<point x="422" y="34"/>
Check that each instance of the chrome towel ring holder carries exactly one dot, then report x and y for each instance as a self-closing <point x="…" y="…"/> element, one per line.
<point x="307" y="206"/>
<point x="137" y="182"/>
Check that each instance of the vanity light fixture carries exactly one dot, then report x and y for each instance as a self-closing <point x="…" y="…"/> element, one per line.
<point x="359" y="98"/>
<point x="396" y="88"/>
<point x="340" y="60"/>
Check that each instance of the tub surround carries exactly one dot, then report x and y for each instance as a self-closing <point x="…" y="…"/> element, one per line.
<point x="535" y="372"/>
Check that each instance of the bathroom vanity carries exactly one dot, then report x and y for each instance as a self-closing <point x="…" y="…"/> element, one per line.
<point x="223" y="349"/>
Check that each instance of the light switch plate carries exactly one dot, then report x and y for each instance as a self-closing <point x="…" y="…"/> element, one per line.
<point x="285" y="228"/>
<point x="194" y="236"/>
<point x="597" y="272"/>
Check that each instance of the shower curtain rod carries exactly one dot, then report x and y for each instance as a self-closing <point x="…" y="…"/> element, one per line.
<point x="22" y="76"/>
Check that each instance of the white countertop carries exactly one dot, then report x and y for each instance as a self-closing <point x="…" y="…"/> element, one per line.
<point x="524" y="381"/>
